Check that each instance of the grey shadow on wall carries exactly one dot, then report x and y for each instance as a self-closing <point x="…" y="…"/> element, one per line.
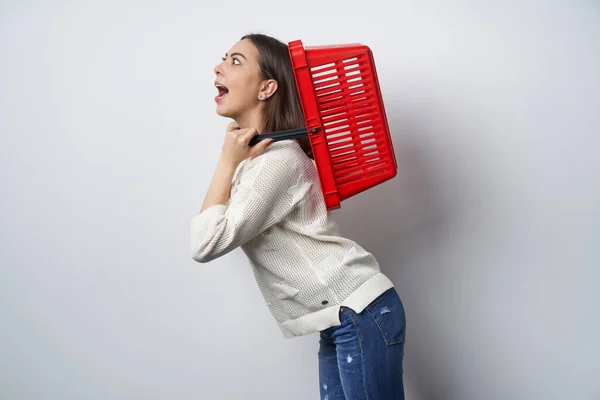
<point x="397" y="221"/>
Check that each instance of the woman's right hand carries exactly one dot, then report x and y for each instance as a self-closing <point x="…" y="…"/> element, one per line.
<point x="236" y="149"/>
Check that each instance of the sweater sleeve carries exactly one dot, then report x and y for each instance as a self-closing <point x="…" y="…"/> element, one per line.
<point x="266" y="193"/>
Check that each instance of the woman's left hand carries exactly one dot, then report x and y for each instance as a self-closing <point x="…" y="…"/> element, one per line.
<point x="236" y="149"/>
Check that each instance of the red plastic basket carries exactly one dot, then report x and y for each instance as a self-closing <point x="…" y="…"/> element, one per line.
<point x="345" y="118"/>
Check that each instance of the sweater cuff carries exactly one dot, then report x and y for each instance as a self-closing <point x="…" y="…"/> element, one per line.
<point x="212" y="211"/>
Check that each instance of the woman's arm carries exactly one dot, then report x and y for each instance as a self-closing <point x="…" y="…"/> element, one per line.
<point x="218" y="191"/>
<point x="268" y="190"/>
<point x="235" y="150"/>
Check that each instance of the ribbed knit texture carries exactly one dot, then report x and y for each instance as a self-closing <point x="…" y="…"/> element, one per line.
<point x="304" y="269"/>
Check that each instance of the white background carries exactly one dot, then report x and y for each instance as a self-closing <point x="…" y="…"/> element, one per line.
<point x="490" y="231"/>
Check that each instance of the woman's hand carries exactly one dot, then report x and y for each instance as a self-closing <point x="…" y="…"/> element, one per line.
<point x="236" y="148"/>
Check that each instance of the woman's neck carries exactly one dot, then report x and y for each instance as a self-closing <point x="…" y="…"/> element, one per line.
<point x="252" y="119"/>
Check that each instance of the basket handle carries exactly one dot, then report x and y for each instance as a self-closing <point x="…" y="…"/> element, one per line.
<point x="281" y="135"/>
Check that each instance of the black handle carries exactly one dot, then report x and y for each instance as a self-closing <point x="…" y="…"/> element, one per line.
<point x="281" y="135"/>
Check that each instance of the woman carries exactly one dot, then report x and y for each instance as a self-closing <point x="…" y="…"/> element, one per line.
<point x="312" y="279"/>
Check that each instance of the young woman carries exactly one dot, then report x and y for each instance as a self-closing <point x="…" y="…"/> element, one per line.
<point x="312" y="278"/>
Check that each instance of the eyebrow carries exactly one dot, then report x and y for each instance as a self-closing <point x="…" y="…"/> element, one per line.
<point x="237" y="54"/>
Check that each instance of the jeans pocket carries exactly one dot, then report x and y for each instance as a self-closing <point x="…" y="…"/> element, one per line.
<point x="388" y="313"/>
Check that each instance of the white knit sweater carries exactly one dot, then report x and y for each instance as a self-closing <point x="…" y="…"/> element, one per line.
<point x="303" y="267"/>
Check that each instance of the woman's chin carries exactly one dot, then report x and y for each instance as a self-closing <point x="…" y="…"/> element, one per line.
<point x="221" y="111"/>
<point x="226" y="113"/>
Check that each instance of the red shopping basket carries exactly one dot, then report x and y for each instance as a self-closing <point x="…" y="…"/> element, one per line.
<point x="345" y="118"/>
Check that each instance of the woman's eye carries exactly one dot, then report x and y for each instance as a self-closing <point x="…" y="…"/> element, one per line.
<point x="236" y="61"/>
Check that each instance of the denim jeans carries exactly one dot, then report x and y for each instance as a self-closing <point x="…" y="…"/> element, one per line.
<point x="361" y="359"/>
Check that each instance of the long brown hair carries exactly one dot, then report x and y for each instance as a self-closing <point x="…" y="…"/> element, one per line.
<point x="283" y="110"/>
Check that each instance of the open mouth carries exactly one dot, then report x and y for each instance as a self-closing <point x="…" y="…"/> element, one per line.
<point x="222" y="91"/>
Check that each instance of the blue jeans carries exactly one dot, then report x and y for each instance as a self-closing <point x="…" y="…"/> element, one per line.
<point x="361" y="359"/>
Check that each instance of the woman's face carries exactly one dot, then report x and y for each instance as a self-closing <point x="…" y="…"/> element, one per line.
<point x="238" y="79"/>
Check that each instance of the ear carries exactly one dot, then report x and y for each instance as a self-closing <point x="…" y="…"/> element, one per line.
<point x="267" y="89"/>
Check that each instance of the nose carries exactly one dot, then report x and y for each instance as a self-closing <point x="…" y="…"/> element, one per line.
<point x="218" y="70"/>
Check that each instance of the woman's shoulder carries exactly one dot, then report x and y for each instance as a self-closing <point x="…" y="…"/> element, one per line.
<point x="283" y="154"/>
<point x="279" y="159"/>
<point x="284" y="146"/>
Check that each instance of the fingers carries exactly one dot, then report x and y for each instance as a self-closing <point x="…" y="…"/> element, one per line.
<point x="249" y="134"/>
<point x="260" y="147"/>
<point x="232" y="126"/>
<point x="242" y="135"/>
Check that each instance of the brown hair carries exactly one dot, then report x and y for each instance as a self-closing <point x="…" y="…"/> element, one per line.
<point x="283" y="110"/>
